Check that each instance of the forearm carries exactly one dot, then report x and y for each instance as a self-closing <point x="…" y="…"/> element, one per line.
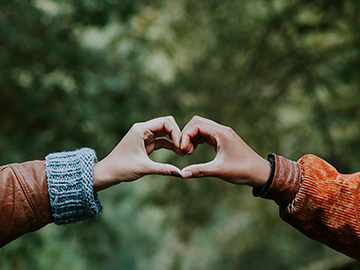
<point x="24" y="200"/>
<point x="318" y="201"/>
<point x="36" y="193"/>
<point x="70" y="185"/>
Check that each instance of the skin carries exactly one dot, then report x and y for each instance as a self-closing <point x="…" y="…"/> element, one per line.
<point x="235" y="162"/>
<point x="130" y="160"/>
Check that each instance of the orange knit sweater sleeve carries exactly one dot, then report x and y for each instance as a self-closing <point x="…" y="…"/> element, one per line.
<point x="319" y="201"/>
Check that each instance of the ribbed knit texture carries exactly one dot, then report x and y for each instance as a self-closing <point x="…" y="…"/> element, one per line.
<point x="70" y="185"/>
<point x="319" y="201"/>
<point x="286" y="181"/>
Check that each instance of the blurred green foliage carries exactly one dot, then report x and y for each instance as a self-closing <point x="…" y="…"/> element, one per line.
<point x="282" y="74"/>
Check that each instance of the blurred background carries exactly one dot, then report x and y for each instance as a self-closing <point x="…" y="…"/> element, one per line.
<point x="283" y="74"/>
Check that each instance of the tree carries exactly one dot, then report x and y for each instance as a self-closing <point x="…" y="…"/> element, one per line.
<point x="283" y="74"/>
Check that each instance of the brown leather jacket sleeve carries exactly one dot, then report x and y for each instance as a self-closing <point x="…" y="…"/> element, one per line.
<point x="319" y="201"/>
<point x="24" y="200"/>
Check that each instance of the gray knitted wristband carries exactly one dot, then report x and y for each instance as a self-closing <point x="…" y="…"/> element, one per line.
<point x="70" y="185"/>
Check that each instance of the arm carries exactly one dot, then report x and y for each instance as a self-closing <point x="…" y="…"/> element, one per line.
<point x="318" y="201"/>
<point x="63" y="188"/>
<point x="313" y="197"/>
<point x="24" y="201"/>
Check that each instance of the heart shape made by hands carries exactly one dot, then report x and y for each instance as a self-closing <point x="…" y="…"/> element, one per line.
<point x="234" y="162"/>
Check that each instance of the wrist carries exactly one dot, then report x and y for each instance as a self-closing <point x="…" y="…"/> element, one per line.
<point x="260" y="173"/>
<point x="260" y="191"/>
<point x="102" y="179"/>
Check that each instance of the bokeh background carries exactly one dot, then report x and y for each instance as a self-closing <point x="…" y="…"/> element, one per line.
<point x="283" y="74"/>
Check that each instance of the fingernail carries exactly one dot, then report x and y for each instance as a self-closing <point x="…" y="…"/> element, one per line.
<point x="176" y="174"/>
<point x="186" y="174"/>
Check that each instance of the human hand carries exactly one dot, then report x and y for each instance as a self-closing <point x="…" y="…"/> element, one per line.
<point x="235" y="161"/>
<point x="130" y="158"/>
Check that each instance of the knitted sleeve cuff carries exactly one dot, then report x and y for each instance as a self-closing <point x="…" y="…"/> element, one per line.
<point x="70" y="185"/>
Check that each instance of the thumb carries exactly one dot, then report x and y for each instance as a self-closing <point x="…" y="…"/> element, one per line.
<point x="163" y="169"/>
<point x="198" y="170"/>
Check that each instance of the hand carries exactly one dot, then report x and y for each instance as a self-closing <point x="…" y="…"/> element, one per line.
<point x="235" y="161"/>
<point x="130" y="158"/>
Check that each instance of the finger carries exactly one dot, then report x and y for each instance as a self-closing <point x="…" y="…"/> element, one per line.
<point x="157" y="126"/>
<point x="163" y="169"/>
<point x="178" y="131"/>
<point x="199" y="139"/>
<point x="198" y="127"/>
<point x="199" y="170"/>
<point x="188" y="147"/>
<point x="164" y="143"/>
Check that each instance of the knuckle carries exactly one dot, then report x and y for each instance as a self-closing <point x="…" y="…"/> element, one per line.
<point x="228" y="130"/>
<point x="171" y="118"/>
<point x="200" y="172"/>
<point x="147" y="134"/>
<point x="136" y="127"/>
<point x="168" y="120"/>
<point x="196" y="118"/>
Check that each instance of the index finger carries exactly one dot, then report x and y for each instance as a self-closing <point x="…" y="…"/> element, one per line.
<point x="198" y="127"/>
<point x="166" y="124"/>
